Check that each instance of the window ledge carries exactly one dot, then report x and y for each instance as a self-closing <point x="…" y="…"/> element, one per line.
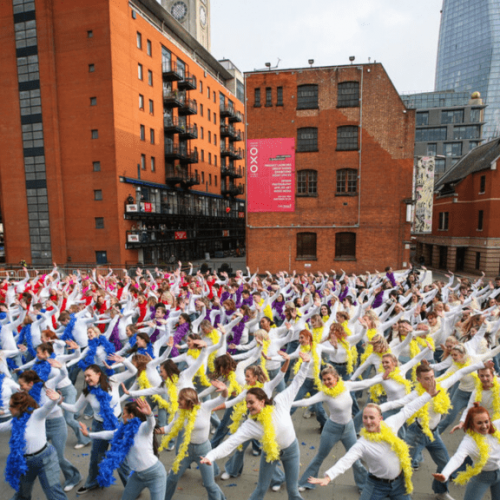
<point x="337" y="149"/>
<point x="443" y="229"/>
<point x="307" y="151"/>
<point x="346" y="194"/>
<point x="479" y="230"/>
<point x="345" y="258"/>
<point x="347" y="106"/>
<point x="481" y="192"/>
<point x="307" y="195"/>
<point x="279" y="104"/>
<point x="306" y="258"/>
<point x="257" y="105"/>
<point x="309" y="107"/>
<point x="269" y="106"/>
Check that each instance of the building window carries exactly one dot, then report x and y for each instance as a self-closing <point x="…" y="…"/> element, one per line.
<point x="482" y="184"/>
<point x="307" y="139"/>
<point x="201" y="109"/>
<point x="134" y="15"/>
<point x="203" y="177"/>
<point x="215" y="119"/>
<point x="440" y="165"/>
<point x="348" y="95"/>
<point x="143" y="133"/>
<point x="422" y="119"/>
<point x="347" y="181"/>
<point x="478" y="260"/>
<point x="215" y="139"/>
<point x="257" y="98"/>
<point x="96" y="166"/>
<point x="473" y="144"/>
<point x="90" y="34"/>
<point x="99" y="222"/>
<point x="139" y="71"/>
<point x="208" y="92"/>
<point x="452" y="116"/>
<point x="150" y="78"/>
<point x="279" y="96"/>
<point x="152" y="135"/>
<point x="347" y="138"/>
<point x="215" y="179"/>
<point x="93" y="101"/>
<point x="101" y="257"/>
<point x="469" y="132"/>
<point x="151" y="107"/>
<point x="143" y="162"/>
<point x="148" y="48"/>
<point x="480" y="217"/>
<point x="141" y="101"/>
<point x="202" y="155"/>
<point x="214" y="96"/>
<point x="153" y="164"/>
<point x="91" y="68"/>
<point x="139" y="40"/>
<point x="430" y="134"/>
<point x="431" y="149"/>
<point x="209" y="179"/>
<point x="345" y="246"/>
<point x="209" y="136"/>
<point x="443" y="221"/>
<point x="453" y="149"/>
<point x="97" y="194"/>
<point x="95" y="134"/>
<point x="475" y="115"/>
<point x="210" y="158"/>
<point x="202" y="132"/>
<point x="201" y="87"/>
<point x="208" y="114"/>
<point x="307" y="97"/>
<point x="306" y="246"/>
<point x="215" y="160"/>
<point x="269" y="97"/>
<point x="307" y="183"/>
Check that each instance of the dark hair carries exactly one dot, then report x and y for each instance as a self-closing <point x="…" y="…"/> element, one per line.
<point x="171" y="368"/>
<point x="46" y="347"/>
<point x="161" y="305"/>
<point x="103" y="379"/>
<point x="141" y="335"/>
<point x="133" y="409"/>
<point x="30" y="376"/>
<point x="260" y="395"/>
<point x="258" y="373"/>
<point x="140" y="361"/>
<point x="423" y="368"/>
<point x="476" y="409"/>
<point x="223" y="366"/>
<point x="23" y="402"/>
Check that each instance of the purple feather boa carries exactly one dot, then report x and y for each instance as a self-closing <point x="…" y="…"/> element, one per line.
<point x="237" y="333"/>
<point x="278" y="307"/>
<point x="179" y="334"/>
<point x="115" y="337"/>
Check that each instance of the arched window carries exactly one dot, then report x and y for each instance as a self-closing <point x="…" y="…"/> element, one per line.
<point x="306" y="245"/>
<point x="307" y="97"/>
<point x="307" y="139"/>
<point x="345" y="246"/>
<point x="307" y="183"/>
<point x="348" y="95"/>
<point x="347" y="181"/>
<point x="347" y="138"/>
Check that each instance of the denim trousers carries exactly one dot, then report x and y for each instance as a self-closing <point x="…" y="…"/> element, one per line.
<point x="376" y="490"/>
<point x="417" y="441"/>
<point x="234" y="466"/>
<point x="331" y="435"/>
<point x="281" y="386"/>
<point x="69" y="393"/>
<point x="459" y="401"/>
<point x="291" y="347"/>
<point x="290" y="458"/>
<point x="57" y="434"/>
<point x="222" y="429"/>
<point x="45" y="466"/>
<point x="309" y="387"/>
<point x="154" y="479"/>
<point x="194" y="454"/>
<point x="97" y="453"/>
<point x="479" y="485"/>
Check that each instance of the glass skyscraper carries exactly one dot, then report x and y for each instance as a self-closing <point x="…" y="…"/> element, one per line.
<point x="469" y="54"/>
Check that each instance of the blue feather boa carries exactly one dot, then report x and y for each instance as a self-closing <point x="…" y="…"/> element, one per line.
<point x="146" y="350"/>
<point x="89" y="358"/>
<point x="2" y="376"/>
<point x="68" y="330"/>
<point x="16" y="462"/>
<point x="120" y="446"/>
<point x="132" y="340"/>
<point x="42" y="368"/>
<point x="25" y="336"/>
<point x="105" y="411"/>
<point x="36" y="391"/>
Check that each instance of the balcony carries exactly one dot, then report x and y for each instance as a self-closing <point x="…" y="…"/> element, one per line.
<point x="175" y="152"/>
<point x="226" y="111"/>
<point x="172" y="125"/>
<point x="188" y="83"/>
<point x="230" y="189"/>
<point x="180" y="174"/>
<point x="238" y="137"/>
<point x="171" y="73"/>
<point x="173" y="98"/>
<point x="190" y="157"/>
<point x="235" y="154"/>
<point x="236" y="117"/>
<point x="189" y="132"/>
<point x="233" y="172"/>
<point x="188" y="107"/>
<point x="228" y="131"/>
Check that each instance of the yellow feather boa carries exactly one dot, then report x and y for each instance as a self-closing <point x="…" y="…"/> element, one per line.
<point x="317" y="334"/>
<point x="415" y="344"/>
<point x="398" y="446"/>
<point x="233" y="386"/>
<point x="370" y="333"/>
<point x="240" y="409"/>
<point x="190" y="415"/>
<point x="495" y="391"/>
<point x="378" y="389"/>
<point x="333" y="392"/>
<point x="352" y="354"/>
<point x="484" y="453"/>
<point x="442" y="405"/>
<point x="265" y="348"/>
<point x="202" y="376"/>
<point x="269" y="444"/>
<point x="268" y="312"/>
<point x="172" y="406"/>
<point x="214" y="337"/>
<point x="345" y="325"/>
<point x="459" y="366"/>
<point x="316" y="363"/>
<point x="325" y="318"/>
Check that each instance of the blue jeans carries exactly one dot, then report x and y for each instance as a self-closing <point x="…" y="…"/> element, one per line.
<point x="332" y="433"/>
<point x="234" y="466"/>
<point x="97" y="453"/>
<point x="376" y="490"/>
<point x="309" y="387"/>
<point x="459" y="401"/>
<point x="69" y="394"/>
<point x="417" y="441"/>
<point x="479" y="484"/>
<point x="194" y="452"/>
<point x="291" y="347"/>
<point x="57" y="434"/>
<point x="281" y="386"/>
<point x="290" y="458"/>
<point x="222" y="429"/>
<point x="154" y="479"/>
<point x="45" y="466"/>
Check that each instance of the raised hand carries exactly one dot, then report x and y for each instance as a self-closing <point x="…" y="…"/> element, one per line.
<point x="321" y="482"/>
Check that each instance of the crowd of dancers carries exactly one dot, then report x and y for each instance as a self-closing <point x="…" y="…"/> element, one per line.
<point x="250" y="349"/>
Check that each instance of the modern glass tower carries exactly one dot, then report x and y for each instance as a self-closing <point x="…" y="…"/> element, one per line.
<point x="469" y="54"/>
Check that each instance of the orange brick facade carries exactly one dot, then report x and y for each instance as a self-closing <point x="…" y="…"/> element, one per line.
<point x="383" y="163"/>
<point x="89" y="59"/>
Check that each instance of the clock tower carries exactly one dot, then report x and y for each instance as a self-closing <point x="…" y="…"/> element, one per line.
<point x="193" y="15"/>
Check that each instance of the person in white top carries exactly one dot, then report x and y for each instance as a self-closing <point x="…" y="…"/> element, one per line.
<point x="482" y="444"/>
<point x="142" y="456"/>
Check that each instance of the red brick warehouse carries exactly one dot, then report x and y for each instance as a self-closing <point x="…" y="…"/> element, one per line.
<point x="354" y="166"/>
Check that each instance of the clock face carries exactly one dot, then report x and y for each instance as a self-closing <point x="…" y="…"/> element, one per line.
<point x="179" y="11"/>
<point x="203" y="16"/>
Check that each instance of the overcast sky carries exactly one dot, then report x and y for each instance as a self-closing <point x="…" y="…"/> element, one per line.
<point x="401" y="34"/>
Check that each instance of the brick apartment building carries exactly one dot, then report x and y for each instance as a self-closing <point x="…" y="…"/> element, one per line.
<point x="354" y="162"/>
<point x="121" y="140"/>
<point x="466" y="215"/>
